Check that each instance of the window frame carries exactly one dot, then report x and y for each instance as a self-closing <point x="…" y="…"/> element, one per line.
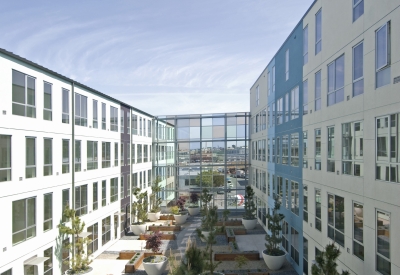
<point x="81" y="113"/>
<point x="95" y="114"/>
<point x="105" y="154"/>
<point x="46" y="207"/>
<point x="49" y="111"/>
<point x="65" y="164"/>
<point x="388" y="54"/>
<point x="318" y="90"/>
<point x="95" y="196"/>
<point x="317" y="41"/>
<point x="65" y="109"/>
<point x="287" y="64"/>
<point x="8" y="169"/>
<point x="361" y="78"/>
<point x="355" y="5"/>
<point x="30" y="166"/>
<point x="25" y="104"/>
<point x="27" y="227"/>
<point x="305" y="45"/>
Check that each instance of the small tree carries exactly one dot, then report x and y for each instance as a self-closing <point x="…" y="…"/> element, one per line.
<point x="206" y="199"/>
<point x="155" y="200"/>
<point x="326" y="262"/>
<point x="274" y="225"/>
<point x="80" y="261"/>
<point x="241" y="261"/>
<point x="210" y="178"/>
<point x="154" y="242"/>
<point x="180" y="202"/>
<point x="140" y="206"/>
<point x="193" y="263"/>
<point x="194" y="199"/>
<point x="249" y="205"/>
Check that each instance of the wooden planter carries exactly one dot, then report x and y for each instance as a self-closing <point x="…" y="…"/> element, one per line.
<point x="167" y="217"/>
<point x="240" y="231"/>
<point x="230" y="235"/>
<point x="131" y="267"/>
<point x="251" y="256"/>
<point x="163" y="236"/>
<point x="174" y="228"/>
<point x="126" y="254"/>
<point x="249" y="273"/>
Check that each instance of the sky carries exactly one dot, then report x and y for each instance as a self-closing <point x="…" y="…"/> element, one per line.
<point x="165" y="57"/>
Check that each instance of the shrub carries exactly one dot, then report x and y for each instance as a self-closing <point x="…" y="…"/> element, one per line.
<point x="154" y="242"/>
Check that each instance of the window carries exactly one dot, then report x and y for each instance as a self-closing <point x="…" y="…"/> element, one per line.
<point x="47" y="102"/>
<point x="318" y="32"/>
<point x="116" y="154"/>
<point x="65" y="255"/>
<point x="295" y="197"/>
<point x="30" y="157"/>
<point x="65" y="106"/>
<point x="294" y="249"/>
<point x="305" y="203"/>
<point x="273" y="186"/>
<point x="318" y="209"/>
<point x="122" y="154"/>
<point x="383" y="55"/>
<point x="273" y="114"/>
<point x="285" y="235"/>
<point x="383" y="242"/>
<point x="336" y="81"/>
<point x="47" y="212"/>
<point x="305" y="97"/>
<point x="317" y="149"/>
<point x="128" y="185"/>
<point x="269" y="79"/>
<point x="294" y="149"/>
<point x="140" y="127"/>
<point x="23" y="220"/>
<point x="287" y="64"/>
<point x="387" y="148"/>
<point x="80" y="110"/>
<point x="48" y="264"/>
<point x="103" y="193"/>
<point x="113" y="189"/>
<point x="279" y="111"/>
<point x="23" y="95"/>
<point x="358" y="69"/>
<point x="336" y="219"/>
<point x="65" y="156"/>
<point x="81" y="200"/>
<point x="305" y="256"/>
<point x="103" y="116"/>
<point x="93" y="244"/>
<point x="128" y="154"/>
<point x="358" y="230"/>
<point x="122" y="121"/>
<point x="134" y="180"/>
<point x="279" y="191"/>
<point x="305" y="45"/>
<point x="78" y="159"/>
<point x="139" y="153"/>
<point x="257" y="95"/>
<point x="64" y="203"/>
<point x="106" y="230"/>
<point x="95" y="196"/>
<point x="273" y="79"/>
<point x="105" y="154"/>
<point x="353" y="148"/>
<point x="318" y="91"/>
<point x="149" y="128"/>
<point x="134" y="124"/>
<point x="285" y="150"/>
<point x="122" y="187"/>
<point x="287" y="107"/>
<point x="47" y="157"/>
<point x="7" y="272"/>
<point x="305" y="151"/>
<point x="5" y="158"/>
<point x="133" y="158"/>
<point x="278" y="150"/>
<point x="145" y="153"/>
<point x="358" y="9"/>
<point x="128" y="123"/>
<point x="331" y="149"/>
<point x="92" y="161"/>
<point x="95" y="113"/>
<point x="113" y="119"/>
<point x="294" y="103"/>
<point x="273" y="150"/>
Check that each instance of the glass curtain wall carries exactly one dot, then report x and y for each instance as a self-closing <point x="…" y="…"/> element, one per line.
<point x="193" y="152"/>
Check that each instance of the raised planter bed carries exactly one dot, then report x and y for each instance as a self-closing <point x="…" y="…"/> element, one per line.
<point x="164" y="236"/>
<point x="136" y="260"/>
<point x="167" y="217"/>
<point x="174" y="228"/>
<point x="230" y="235"/>
<point x="240" y="231"/>
<point x="248" y="273"/>
<point x="126" y="254"/>
<point x="250" y="255"/>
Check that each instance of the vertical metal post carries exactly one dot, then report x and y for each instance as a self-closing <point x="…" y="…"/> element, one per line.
<point x="73" y="162"/>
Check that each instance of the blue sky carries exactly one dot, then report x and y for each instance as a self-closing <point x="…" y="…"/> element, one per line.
<point x="162" y="56"/>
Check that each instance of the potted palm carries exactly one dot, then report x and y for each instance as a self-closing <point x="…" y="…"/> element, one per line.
<point x="273" y="256"/>
<point x="178" y="211"/>
<point x="194" y="208"/>
<point x="156" y="264"/>
<point x="249" y="219"/>
<point x="155" y="201"/>
<point x="139" y="210"/>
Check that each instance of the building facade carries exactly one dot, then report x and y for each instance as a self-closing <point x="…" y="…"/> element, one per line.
<point x="343" y="141"/>
<point x="62" y="143"/>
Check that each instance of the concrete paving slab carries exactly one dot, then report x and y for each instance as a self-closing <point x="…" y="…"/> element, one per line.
<point x="108" y="267"/>
<point x="128" y="245"/>
<point x="251" y="242"/>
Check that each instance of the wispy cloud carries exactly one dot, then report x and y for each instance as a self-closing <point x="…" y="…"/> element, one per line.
<point x="165" y="57"/>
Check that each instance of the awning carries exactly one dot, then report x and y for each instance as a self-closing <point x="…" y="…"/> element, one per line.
<point x="36" y="260"/>
<point x="84" y="234"/>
